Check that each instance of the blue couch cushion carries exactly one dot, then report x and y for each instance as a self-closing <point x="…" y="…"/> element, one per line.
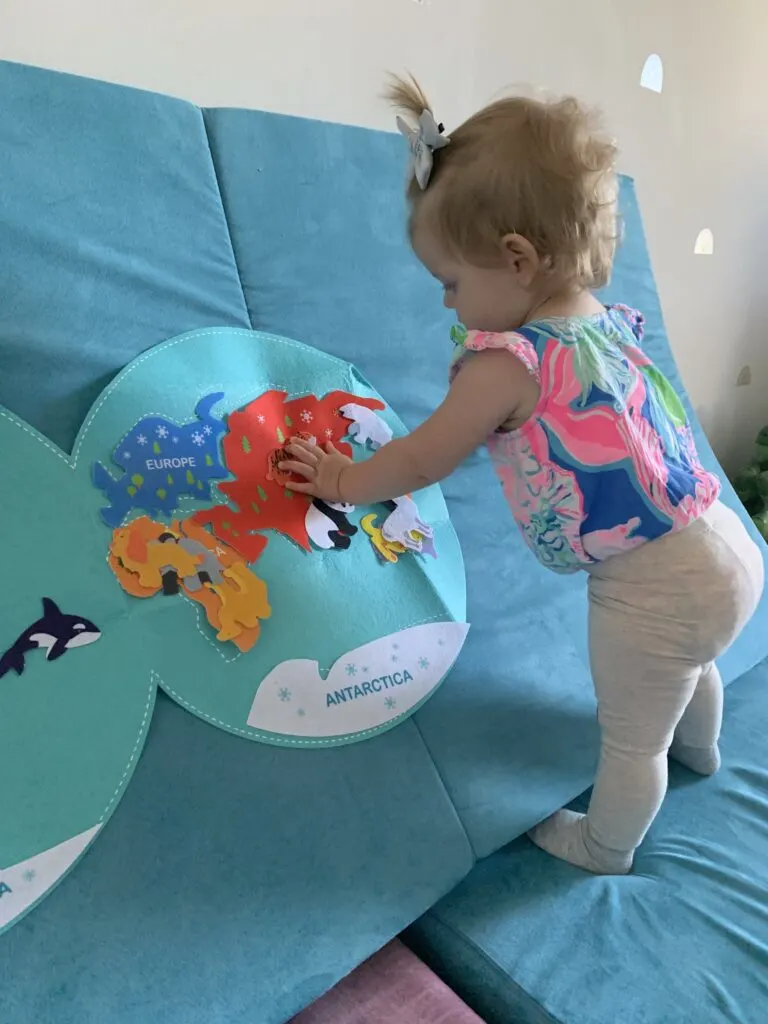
<point x="113" y="234"/>
<point x="235" y="881"/>
<point x="684" y="938"/>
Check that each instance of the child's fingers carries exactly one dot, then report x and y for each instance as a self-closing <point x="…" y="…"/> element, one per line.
<point x="303" y="450"/>
<point x="331" y="449"/>
<point x="308" y="472"/>
<point x="301" y="488"/>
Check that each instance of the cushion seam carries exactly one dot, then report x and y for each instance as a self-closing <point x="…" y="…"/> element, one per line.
<point x="447" y="792"/>
<point x="491" y="962"/>
<point x="215" y="170"/>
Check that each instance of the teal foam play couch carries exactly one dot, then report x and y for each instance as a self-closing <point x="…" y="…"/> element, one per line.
<point x="238" y="881"/>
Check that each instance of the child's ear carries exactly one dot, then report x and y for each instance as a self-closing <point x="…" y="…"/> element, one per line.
<point x="521" y="258"/>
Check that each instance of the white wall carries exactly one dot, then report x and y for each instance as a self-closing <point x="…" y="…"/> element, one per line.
<point x="699" y="151"/>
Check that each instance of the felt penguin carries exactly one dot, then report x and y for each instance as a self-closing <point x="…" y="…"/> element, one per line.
<point x="328" y="526"/>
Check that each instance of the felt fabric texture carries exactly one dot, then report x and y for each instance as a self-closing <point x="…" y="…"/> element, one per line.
<point x="257" y="877"/>
<point x="242" y="880"/>
<point x="188" y="658"/>
<point x="71" y="728"/>
<point x="530" y="939"/>
<point x="172" y="459"/>
<point x="393" y="987"/>
<point x="237" y="882"/>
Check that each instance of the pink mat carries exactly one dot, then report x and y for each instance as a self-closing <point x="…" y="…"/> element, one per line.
<point x="393" y="987"/>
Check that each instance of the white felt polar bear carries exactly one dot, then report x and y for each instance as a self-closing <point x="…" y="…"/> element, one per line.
<point x="403" y="521"/>
<point x="366" y="425"/>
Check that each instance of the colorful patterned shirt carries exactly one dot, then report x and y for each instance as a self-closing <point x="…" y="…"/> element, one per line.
<point x="607" y="460"/>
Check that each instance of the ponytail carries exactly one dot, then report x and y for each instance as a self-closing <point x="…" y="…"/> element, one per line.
<point x="406" y="96"/>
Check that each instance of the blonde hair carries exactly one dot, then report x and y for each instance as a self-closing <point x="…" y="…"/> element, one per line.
<point x="542" y="169"/>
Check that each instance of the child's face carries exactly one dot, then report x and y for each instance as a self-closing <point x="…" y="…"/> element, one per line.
<point x="484" y="298"/>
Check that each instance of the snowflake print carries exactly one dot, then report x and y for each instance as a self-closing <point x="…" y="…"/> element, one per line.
<point x="284" y="694"/>
<point x="423" y="662"/>
<point x="162" y="431"/>
<point x="125" y="455"/>
<point x="29" y="875"/>
<point x="441" y="643"/>
<point x="390" y="703"/>
<point x="207" y="430"/>
<point x="365" y="669"/>
<point x="175" y="440"/>
<point x="395" y="647"/>
<point x="197" y="438"/>
<point x="395" y="658"/>
<point x="141" y="439"/>
<point x="260" y="417"/>
<point x="306" y="416"/>
<point x="301" y="712"/>
<point x="351" y="670"/>
<point x="329" y="433"/>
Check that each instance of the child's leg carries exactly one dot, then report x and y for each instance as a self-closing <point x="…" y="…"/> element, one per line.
<point x="697" y="733"/>
<point x="643" y="683"/>
<point x="659" y="616"/>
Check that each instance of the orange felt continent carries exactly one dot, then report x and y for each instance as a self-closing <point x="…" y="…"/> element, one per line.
<point x="243" y="598"/>
<point x="232" y="606"/>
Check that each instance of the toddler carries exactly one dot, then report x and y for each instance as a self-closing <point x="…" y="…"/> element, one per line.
<point x="515" y="215"/>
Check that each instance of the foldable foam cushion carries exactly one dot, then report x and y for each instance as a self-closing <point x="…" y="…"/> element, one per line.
<point x="113" y="234"/>
<point x="529" y="939"/>
<point x="235" y="880"/>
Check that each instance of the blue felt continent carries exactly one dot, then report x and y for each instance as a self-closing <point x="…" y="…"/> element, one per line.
<point x="161" y="461"/>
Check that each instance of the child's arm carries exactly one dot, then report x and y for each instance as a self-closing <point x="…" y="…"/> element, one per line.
<point x="490" y="388"/>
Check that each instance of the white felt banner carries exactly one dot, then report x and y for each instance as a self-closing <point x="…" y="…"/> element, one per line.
<point x="24" y="883"/>
<point x="365" y="689"/>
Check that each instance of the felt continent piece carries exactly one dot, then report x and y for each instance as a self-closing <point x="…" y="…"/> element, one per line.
<point x="147" y="557"/>
<point x="254" y="444"/>
<point x="162" y="460"/>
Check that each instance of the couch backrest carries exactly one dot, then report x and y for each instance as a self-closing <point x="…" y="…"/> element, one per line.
<point x="257" y="876"/>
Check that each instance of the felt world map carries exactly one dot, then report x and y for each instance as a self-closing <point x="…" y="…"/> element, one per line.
<point x="169" y="550"/>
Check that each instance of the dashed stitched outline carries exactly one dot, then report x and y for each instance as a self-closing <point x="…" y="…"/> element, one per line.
<point x="342" y="739"/>
<point x="72" y="460"/>
<point x="137" y="747"/>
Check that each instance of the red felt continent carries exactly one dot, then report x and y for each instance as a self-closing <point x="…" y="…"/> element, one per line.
<point x="262" y="502"/>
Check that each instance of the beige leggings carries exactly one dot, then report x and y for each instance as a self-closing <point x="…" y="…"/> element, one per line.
<point x="658" y="618"/>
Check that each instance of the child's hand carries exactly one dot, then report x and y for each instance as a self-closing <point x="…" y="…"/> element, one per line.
<point x="321" y="469"/>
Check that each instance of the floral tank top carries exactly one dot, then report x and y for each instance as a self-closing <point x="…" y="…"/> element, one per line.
<point x="607" y="461"/>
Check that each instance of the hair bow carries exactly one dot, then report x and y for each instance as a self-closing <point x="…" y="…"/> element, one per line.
<point x="423" y="141"/>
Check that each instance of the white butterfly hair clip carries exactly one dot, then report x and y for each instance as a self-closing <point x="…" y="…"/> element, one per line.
<point x="423" y="141"/>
